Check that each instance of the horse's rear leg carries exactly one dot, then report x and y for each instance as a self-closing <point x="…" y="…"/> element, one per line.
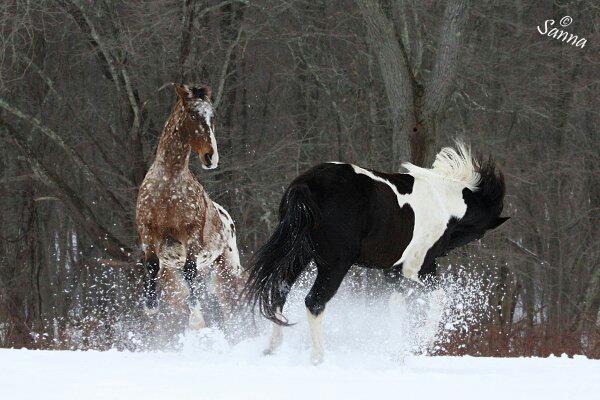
<point x="151" y="263"/>
<point x="277" y="332"/>
<point x="329" y="279"/>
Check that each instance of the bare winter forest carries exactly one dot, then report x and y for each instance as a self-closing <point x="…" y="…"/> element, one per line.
<point x="84" y="96"/>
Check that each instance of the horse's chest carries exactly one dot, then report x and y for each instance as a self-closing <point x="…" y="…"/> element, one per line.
<point x="175" y="202"/>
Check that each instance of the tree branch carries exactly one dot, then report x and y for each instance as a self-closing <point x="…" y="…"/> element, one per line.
<point x="225" y="67"/>
<point x="76" y="10"/>
<point x="73" y="156"/>
<point x="68" y="196"/>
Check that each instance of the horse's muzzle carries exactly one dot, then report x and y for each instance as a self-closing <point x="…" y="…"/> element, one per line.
<point x="208" y="162"/>
<point x="210" y="159"/>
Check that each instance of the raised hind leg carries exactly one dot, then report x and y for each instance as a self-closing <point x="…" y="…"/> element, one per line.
<point x="329" y="279"/>
<point x="276" y="337"/>
<point x="152" y="265"/>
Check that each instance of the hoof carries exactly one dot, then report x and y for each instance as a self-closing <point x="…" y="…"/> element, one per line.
<point x="196" y="320"/>
<point x="316" y="359"/>
<point x="268" y="352"/>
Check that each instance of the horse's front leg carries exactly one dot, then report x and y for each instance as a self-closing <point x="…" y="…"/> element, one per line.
<point x="190" y="274"/>
<point x="151" y="263"/>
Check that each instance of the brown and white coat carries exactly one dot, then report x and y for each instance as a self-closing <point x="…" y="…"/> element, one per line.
<point x="179" y="226"/>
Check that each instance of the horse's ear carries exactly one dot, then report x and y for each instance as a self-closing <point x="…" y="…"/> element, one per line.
<point x="186" y="92"/>
<point x="499" y="221"/>
<point x="203" y="92"/>
<point x="182" y="91"/>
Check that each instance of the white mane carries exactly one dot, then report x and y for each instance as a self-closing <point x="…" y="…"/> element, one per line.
<point x="456" y="165"/>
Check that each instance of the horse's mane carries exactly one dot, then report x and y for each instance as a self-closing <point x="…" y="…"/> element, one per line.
<point x="491" y="187"/>
<point x="453" y="164"/>
<point x="476" y="173"/>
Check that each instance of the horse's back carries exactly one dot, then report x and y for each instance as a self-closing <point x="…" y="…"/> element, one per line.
<point x="359" y="214"/>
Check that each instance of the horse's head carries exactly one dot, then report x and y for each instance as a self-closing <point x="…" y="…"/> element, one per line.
<point x="199" y="122"/>
<point x="484" y="206"/>
<point x="483" y="191"/>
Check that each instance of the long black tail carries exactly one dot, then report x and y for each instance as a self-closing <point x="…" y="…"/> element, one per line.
<point x="279" y="262"/>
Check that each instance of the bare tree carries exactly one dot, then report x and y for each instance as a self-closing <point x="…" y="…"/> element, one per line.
<point x="373" y="82"/>
<point x="416" y="97"/>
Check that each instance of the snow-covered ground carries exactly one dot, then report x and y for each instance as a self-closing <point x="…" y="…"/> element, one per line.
<point x="241" y="373"/>
<point x="369" y="347"/>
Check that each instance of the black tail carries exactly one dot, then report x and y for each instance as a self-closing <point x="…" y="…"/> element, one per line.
<point x="279" y="262"/>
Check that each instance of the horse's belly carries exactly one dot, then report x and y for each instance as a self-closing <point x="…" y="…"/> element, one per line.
<point x="391" y="232"/>
<point x="379" y="254"/>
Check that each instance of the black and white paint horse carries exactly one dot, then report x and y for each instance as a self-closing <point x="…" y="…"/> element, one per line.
<point x="339" y="215"/>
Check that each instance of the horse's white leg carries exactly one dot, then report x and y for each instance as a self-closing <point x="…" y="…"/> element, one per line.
<point x="437" y="304"/>
<point x="276" y="336"/>
<point x="196" y="319"/>
<point x="315" y="324"/>
<point x="397" y="301"/>
<point x="328" y="281"/>
<point x="232" y="257"/>
<point x="230" y="253"/>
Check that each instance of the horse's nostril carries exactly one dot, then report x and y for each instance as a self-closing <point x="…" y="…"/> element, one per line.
<point x="208" y="158"/>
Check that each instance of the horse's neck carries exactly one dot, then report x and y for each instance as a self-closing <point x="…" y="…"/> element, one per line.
<point x="173" y="152"/>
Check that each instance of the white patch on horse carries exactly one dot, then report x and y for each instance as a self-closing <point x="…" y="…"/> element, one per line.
<point x="213" y="144"/>
<point x="436" y="197"/>
<point x="276" y="335"/>
<point x="205" y="110"/>
<point x="172" y="256"/>
<point x="206" y="258"/>
<point x="451" y="164"/>
<point x="315" y="325"/>
<point x="231" y="251"/>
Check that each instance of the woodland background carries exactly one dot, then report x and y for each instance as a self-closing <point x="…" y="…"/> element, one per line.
<point x="295" y="82"/>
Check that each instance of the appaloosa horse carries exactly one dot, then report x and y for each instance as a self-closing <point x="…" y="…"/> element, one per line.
<point x="179" y="226"/>
<point x="338" y="215"/>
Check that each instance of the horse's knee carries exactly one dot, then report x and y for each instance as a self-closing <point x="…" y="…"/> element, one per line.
<point x="313" y="304"/>
<point x="325" y="287"/>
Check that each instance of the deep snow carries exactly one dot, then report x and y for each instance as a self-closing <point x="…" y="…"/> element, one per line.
<point x="369" y="346"/>
<point x="241" y="373"/>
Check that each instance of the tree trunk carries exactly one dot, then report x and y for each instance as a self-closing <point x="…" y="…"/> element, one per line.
<point x="399" y="89"/>
<point x="414" y="107"/>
